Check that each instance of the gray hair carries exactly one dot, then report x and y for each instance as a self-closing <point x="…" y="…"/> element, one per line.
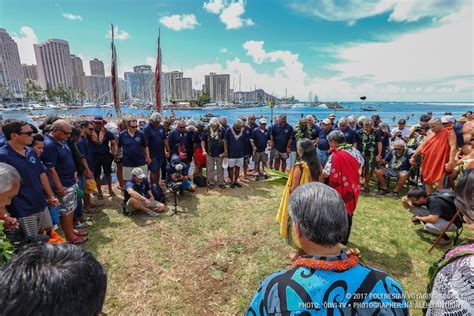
<point x="343" y="121"/>
<point x="309" y="117"/>
<point x="351" y="118"/>
<point x="155" y="117"/>
<point x="435" y="120"/>
<point x="8" y="176"/>
<point x="337" y="136"/>
<point x="369" y="122"/>
<point x="239" y="122"/>
<point x="59" y="125"/>
<point x="399" y="142"/>
<point x="361" y="119"/>
<point x="464" y="200"/>
<point x="214" y="121"/>
<point x="303" y="121"/>
<point x="325" y="222"/>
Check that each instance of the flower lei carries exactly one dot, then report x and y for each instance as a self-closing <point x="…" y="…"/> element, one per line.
<point x="98" y="140"/>
<point x="344" y="146"/>
<point x="237" y="136"/>
<point x="300" y="134"/>
<point x="338" y="265"/>
<point x="214" y="134"/>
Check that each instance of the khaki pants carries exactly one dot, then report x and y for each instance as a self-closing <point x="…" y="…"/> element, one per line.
<point x="211" y="163"/>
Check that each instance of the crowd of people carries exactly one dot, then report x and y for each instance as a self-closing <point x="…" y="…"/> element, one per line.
<point x="50" y="174"/>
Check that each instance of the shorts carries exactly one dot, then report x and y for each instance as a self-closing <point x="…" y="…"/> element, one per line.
<point x="186" y="184"/>
<point x="68" y="203"/>
<point x="103" y="162"/>
<point x="260" y="157"/>
<point x="127" y="171"/>
<point x="246" y="159"/>
<point x="236" y="162"/>
<point x="156" y="163"/>
<point x="130" y="209"/>
<point x="280" y="155"/>
<point x="31" y="225"/>
<point x="390" y="173"/>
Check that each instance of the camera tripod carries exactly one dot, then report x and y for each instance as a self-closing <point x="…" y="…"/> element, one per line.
<point x="175" y="210"/>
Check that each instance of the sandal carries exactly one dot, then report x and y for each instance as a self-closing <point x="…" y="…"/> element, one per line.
<point x="80" y="232"/>
<point x="100" y="196"/>
<point x="78" y="240"/>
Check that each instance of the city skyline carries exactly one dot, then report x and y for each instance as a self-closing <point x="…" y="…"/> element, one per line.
<point x="387" y="50"/>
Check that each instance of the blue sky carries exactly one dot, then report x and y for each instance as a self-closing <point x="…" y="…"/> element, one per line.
<point x="339" y="50"/>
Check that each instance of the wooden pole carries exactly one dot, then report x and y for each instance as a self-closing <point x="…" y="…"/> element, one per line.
<point x="444" y="231"/>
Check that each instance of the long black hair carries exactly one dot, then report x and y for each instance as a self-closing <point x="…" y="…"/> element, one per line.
<point x="309" y="156"/>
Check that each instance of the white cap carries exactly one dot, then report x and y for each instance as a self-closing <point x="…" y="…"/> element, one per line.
<point x="326" y="121"/>
<point x="447" y="119"/>
<point x="262" y="120"/>
<point x="137" y="172"/>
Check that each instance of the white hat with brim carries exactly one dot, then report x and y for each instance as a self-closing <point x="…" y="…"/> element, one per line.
<point x="138" y="172"/>
<point x="263" y="121"/>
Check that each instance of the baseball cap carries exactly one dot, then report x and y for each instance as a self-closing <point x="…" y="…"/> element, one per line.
<point x="99" y="119"/>
<point x="326" y="121"/>
<point x="263" y="120"/>
<point x="137" y="172"/>
<point x="447" y="119"/>
<point x="332" y="115"/>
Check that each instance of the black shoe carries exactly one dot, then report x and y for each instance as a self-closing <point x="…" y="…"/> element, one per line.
<point x="211" y="186"/>
<point x="222" y="186"/>
<point x="232" y="185"/>
<point x="382" y="191"/>
<point x="257" y="178"/>
<point x="395" y="196"/>
<point x="238" y="185"/>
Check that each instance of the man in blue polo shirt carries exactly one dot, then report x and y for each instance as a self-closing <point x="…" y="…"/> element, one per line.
<point x="158" y="145"/>
<point x="323" y="143"/>
<point x="311" y="119"/>
<point x="3" y="140"/>
<point x="280" y="135"/>
<point x="99" y="141"/>
<point x="234" y="150"/>
<point x="212" y="145"/>
<point x="260" y="138"/>
<point x="349" y="134"/>
<point x="87" y="160"/>
<point x="135" y="150"/>
<point x="29" y="206"/>
<point x="57" y="156"/>
<point x="181" y="142"/>
<point x="247" y="145"/>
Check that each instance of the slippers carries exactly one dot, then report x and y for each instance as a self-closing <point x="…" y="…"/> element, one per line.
<point x="78" y="240"/>
<point x="80" y="232"/>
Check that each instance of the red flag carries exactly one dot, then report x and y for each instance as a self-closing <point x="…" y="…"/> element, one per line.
<point x="158" y="77"/>
<point x="115" y="90"/>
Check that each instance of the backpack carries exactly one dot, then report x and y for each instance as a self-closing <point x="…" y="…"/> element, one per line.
<point x="199" y="180"/>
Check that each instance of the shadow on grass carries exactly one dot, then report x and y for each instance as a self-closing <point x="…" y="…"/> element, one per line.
<point x="96" y="237"/>
<point x="399" y="264"/>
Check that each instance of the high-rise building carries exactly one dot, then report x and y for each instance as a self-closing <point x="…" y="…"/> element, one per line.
<point x="11" y="74"/>
<point x="124" y="89"/>
<point x="218" y="87"/>
<point x="53" y="64"/>
<point x="29" y="72"/>
<point x="142" y="83"/>
<point x="98" y="89"/>
<point x="77" y="72"/>
<point x="97" y="67"/>
<point x="179" y="88"/>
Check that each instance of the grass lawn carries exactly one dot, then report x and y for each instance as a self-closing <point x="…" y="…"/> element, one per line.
<point x="211" y="259"/>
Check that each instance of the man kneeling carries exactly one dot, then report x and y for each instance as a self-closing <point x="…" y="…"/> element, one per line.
<point x="435" y="211"/>
<point x="138" y="196"/>
<point x="177" y="176"/>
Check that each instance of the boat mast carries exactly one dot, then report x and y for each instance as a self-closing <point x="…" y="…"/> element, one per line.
<point x="115" y="91"/>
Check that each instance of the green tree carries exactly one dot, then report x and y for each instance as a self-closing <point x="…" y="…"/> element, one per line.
<point x="82" y="96"/>
<point x="203" y="99"/>
<point x="51" y="94"/>
<point x="33" y="91"/>
<point x="5" y="92"/>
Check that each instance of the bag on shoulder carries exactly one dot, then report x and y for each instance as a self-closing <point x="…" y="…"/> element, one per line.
<point x="199" y="180"/>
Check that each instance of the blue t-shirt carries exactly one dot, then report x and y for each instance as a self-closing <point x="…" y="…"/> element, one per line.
<point x="214" y="146"/>
<point x="323" y="143"/>
<point x="247" y="145"/>
<point x="384" y="139"/>
<point x="83" y="147"/>
<point x="58" y="155"/>
<point x="3" y="140"/>
<point x="314" y="131"/>
<point x="170" y="170"/>
<point x="260" y="138"/>
<point x="197" y="138"/>
<point x="142" y="188"/>
<point x="30" y="199"/>
<point x="177" y="138"/>
<point x="103" y="148"/>
<point x="349" y="134"/>
<point x="281" y="136"/>
<point x="235" y="147"/>
<point x="303" y="291"/>
<point x="133" y="148"/>
<point x="457" y="130"/>
<point x="155" y="137"/>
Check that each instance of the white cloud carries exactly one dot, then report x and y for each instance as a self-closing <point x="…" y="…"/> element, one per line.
<point x="214" y="6"/>
<point x="25" y="41"/>
<point x="352" y="10"/>
<point x="72" y="17"/>
<point x="119" y="35"/>
<point x="223" y="50"/>
<point x="230" y="13"/>
<point x="179" y="22"/>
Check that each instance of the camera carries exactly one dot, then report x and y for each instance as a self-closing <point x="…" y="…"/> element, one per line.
<point x="175" y="187"/>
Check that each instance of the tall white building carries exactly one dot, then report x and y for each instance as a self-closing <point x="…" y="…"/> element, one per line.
<point x="218" y="87"/>
<point x="11" y="73"/>
<point x="29" y="72"/>
<point x="142" y="83"/>
<point x="77" y="72"/>
<point x="53" y="64"/>
<point x="97" y="67"/>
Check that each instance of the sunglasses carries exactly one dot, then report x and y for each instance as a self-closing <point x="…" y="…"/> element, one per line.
<point x="26" y="133"/>
<point x="134" y="126"/>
